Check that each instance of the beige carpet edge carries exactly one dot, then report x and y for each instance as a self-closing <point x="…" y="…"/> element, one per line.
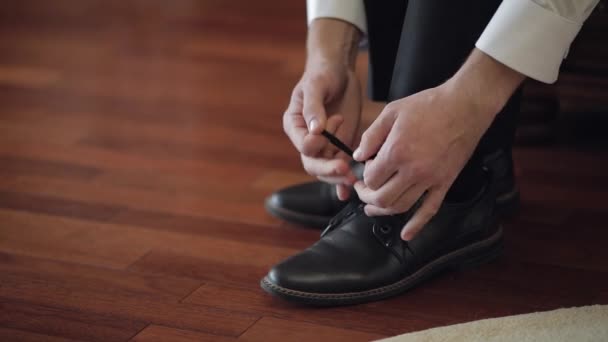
<point x="586" y="323"/>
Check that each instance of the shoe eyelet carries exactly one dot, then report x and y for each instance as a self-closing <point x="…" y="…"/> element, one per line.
<point x="385" y="229"/>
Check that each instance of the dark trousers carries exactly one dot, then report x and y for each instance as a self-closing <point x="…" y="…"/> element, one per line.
<point x="419" y="44"/>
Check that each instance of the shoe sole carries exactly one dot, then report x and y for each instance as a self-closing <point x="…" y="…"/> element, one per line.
<point x="473" y="255"/>
<point x="507" y="205"/>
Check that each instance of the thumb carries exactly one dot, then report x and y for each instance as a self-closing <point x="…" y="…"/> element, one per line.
<point x="314" y="109"/>
<point x="373" y="138"/>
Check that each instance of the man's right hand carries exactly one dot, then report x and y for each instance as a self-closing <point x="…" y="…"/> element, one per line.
<point x="328" y="96"/>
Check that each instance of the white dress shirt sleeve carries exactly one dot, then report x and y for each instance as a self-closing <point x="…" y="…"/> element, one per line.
<point x="351" y="11"/>
<point x="533" y="36"/>
<point x="530" y="36"/>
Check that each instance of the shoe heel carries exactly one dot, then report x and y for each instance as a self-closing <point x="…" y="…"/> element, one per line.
<point x="477" y="260"/>
<point x="508" y="205"/>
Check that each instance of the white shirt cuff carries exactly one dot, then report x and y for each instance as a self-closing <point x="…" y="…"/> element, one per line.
<point x="528" y="38"/>
<point x="351" y="11"/>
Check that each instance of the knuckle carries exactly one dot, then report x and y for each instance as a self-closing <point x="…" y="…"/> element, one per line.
<point x="364" y="136"/>
<point x="370" y="180"/>
<point x="395" y="153"/>
<point x="391" y="107"/>
<point x="311" y="171"/>
<point x="433" y="208"/>
<point x="296" y="90"/>
<point x="313" y="81"/>
<point x="423" y="172"/>
<point x="417" y="171"/>
<point x="381" y="201"/>
<point x="403" y="206"/>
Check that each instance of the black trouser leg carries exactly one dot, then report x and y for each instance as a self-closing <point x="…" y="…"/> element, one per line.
<point x="436" y="38"/>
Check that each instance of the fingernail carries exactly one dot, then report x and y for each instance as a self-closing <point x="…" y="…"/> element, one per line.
<point x="357" y="154"/>
<point x="312" y="125"/>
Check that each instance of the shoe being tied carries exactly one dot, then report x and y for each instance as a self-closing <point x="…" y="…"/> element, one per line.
<point x="360" y="259"/>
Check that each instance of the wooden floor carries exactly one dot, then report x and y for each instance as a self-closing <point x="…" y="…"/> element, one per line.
<point x="138" y="140"/>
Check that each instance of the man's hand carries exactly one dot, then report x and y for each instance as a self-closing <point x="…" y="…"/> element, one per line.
<point x="328" y="96"/>
<point x="424" y="140"/>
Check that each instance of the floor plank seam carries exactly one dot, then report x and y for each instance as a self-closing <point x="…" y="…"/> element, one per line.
<point x="181" y="301"/>
<point x="251" y="325"/>
<point x="5" y="299"/>
<point x="138" y="332"/>
<point x="141" y="257"/>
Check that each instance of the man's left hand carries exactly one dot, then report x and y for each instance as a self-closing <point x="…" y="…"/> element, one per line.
<point x="422" y="143"/>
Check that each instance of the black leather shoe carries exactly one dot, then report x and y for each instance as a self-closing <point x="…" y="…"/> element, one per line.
<point x="315" y="203"/>
<point x="308" y="204"/>
<point x="360" y="259"/>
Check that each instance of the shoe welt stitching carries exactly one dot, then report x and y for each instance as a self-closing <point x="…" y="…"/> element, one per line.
<point x="421" y="272"/>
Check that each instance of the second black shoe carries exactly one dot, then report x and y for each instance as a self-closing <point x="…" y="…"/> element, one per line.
<point x="313" y="204"/>
<point x="360" y="259"/>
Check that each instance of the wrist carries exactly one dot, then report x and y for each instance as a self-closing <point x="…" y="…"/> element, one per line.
<point x="332" y="42"/>
<point x="485" y="83"/>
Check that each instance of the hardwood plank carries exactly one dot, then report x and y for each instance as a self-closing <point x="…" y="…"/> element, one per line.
<point x="15" y="335"/>
<point x="167" y="149"/>
<point x="162" y="221"/>
<point x="112" y="161"/>
<point x="295" y="238"/>
<point x="117" y="246"/>
<point x="202" y="268"/>
<point x="158" y="333"/>
<point x="204" y="136"/>
<point x="128" y="297"/>
<point x="67" y="239"/>
<point x="184" y="316"/>
<point x="572" y="249"/>
<point x="57" y="206"/>
<point x="28" y="76"/>
<point x="142" y="199"/>
<point x="138" y="141"/>
<point x="494" y="290"/>
<point x="269" y="329"/>
<point x="249" y="297"/>
<point x="47" y="168"/>
<point x="60" y="323"/>
<point x="69" y="276"/>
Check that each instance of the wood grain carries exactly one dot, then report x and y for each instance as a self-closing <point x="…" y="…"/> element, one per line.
<point x="159" y="333"/>
<point x="139" y="139"/>
<point x="272" y="329"/>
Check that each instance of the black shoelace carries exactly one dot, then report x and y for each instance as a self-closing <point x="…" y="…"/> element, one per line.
<point x="355" y="206"/>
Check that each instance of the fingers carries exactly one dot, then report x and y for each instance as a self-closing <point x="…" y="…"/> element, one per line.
<point x="386" y="195"/>
<point x="343" y="192"/>
<point x="404" y="202"/>
<point x="313" y="107"/>
<point x="345" y="179"/>
<point x="428" y="209"/>
<point x="373" y="138"/>
<point x="293" y="122"/>
<point x="377" y="172"/>
<point x="333" y="124"/>
<point x="296" y="129"/>
<point x="325" y="167"/>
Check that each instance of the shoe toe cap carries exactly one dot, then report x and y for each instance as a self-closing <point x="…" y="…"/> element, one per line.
<point x="291" y="275"/>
